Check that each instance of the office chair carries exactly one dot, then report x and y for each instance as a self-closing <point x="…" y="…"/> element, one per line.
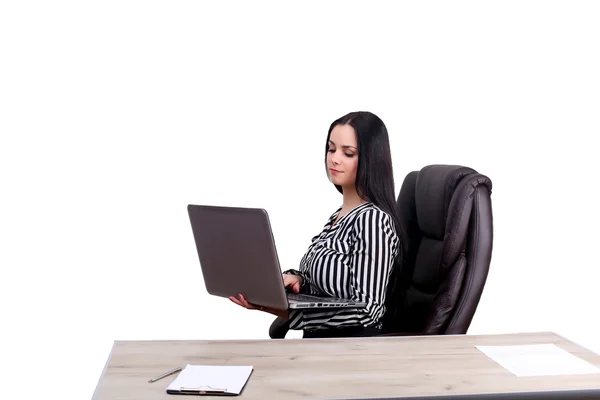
<point x="446" y="213"/>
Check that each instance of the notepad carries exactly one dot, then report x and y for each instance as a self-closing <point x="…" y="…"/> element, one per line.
<point x="538" y="360"/>
<point x="211" y="380"/>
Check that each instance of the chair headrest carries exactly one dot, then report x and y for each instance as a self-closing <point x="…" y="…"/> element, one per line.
<point x="433" y="191"/>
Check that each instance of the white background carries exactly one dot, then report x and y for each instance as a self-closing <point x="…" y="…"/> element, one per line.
<point x="114" y="115"/>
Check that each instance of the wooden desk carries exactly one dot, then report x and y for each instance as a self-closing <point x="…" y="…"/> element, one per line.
<point x="369" y="368"/>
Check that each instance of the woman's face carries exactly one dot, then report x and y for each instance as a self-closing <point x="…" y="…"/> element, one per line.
<point x="342" y="156"/>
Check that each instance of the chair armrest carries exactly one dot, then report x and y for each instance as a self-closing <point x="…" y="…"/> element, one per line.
<point x="279" y="328"/>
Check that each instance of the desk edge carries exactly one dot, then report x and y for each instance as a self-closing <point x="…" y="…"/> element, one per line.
<point x="558" y="394"/>
<point x="104" y="369"/>
<point x="545" y="332"/>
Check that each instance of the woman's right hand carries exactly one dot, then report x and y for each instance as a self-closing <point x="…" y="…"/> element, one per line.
<point x="294" y="282"/>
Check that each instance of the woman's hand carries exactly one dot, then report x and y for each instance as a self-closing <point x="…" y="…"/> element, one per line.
<point x="293" y="281"/>
<point x="240" y="300"/>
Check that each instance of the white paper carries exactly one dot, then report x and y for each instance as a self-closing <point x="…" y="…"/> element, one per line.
<point x="538" y="360"/>
<point x="229" y="379"/>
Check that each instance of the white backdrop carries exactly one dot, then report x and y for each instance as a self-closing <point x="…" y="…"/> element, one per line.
<point x="117" y="114"/>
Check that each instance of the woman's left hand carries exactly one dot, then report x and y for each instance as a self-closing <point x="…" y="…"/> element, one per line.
<point x="240" y="300"/>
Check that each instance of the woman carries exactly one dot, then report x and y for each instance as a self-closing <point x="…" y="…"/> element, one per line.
<point x="354" y="255"/>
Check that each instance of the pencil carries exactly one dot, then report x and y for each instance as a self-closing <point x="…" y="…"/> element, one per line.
<point x="171" y="372"/>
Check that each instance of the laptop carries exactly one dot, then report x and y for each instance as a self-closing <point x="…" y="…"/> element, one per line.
<point x="237" y="254"/>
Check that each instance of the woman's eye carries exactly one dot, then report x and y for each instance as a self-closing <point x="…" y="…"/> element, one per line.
<point x="349" y="155"/>
<point x="331" y="150"/>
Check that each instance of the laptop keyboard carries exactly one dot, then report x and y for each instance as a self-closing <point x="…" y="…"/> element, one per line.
<point x="309" y="298"/>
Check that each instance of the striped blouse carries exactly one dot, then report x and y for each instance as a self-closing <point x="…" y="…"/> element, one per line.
<point x="350" y="259"/>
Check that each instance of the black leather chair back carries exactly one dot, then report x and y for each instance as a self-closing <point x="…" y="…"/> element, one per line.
<point x="447" y="215"/>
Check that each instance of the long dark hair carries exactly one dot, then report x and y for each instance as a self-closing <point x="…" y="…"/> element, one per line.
<point x="374" y="176"/>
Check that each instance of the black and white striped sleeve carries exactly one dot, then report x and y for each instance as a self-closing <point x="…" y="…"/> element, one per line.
<point x="307" y="285"/>
<point x="365" y="275"/>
